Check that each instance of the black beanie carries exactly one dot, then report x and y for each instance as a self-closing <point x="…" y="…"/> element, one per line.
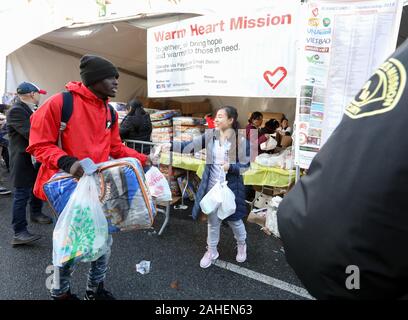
<point x="95" y="69"/>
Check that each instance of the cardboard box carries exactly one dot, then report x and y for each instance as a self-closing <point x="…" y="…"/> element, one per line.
<point x="259" y="219"/>
<point x="286" y="141"/>
<point x="272" y="191"/>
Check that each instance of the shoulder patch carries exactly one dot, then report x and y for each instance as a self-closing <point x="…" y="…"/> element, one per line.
<point x="381" y="93"/>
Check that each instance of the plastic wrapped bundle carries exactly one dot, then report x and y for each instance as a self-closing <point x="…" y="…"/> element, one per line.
<point x="58" y="191"/>
<point x="164" y="114"/>
<point x="187" y="133"/>
<point x="162" y="123"/>
<point x="162" y="134"/>
<point x="123" y="192"/>
<point x="151" y="111"/>
<point x="188" y="121"/>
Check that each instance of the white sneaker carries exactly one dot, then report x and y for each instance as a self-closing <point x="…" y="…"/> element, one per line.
<point x="242" y="253"/>
<point x="209" y="257"/>
<point x="4" y="191"/>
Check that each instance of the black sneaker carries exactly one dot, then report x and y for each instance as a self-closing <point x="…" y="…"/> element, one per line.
<point x="41" y="219"/>
<point x="66" y="296"/>
<point x="24" y="238"/>
<point x="4" y="191"/>
<point x="100" y="294"/>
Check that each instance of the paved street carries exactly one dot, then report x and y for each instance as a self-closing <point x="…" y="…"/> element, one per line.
<point x="174" y="256"/>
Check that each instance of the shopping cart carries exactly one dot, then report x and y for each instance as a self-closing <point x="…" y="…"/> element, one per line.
<point x="162" y="207"/>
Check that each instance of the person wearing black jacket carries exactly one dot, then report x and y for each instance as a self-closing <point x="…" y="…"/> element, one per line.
<point x="137" y="125"/>
<point x="22" y="170"/>
<point x="344" y="225"/>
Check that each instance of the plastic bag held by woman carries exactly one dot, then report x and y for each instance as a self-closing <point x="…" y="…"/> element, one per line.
<point x="212" y="200"/>
<point x="81" y="231"/>
<point x="228" y="205"/>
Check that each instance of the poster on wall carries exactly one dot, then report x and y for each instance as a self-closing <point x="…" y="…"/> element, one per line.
<point x="251" y="55"/>
<point x="342" y="44"/>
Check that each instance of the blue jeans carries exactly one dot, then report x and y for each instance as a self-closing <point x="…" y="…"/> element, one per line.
<point x="21" y="197"/>
<point x="96" y="274"/>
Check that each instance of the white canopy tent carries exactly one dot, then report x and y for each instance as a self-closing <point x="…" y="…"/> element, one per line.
<point x="52" y="60"/>
<point x="51" y="56"/>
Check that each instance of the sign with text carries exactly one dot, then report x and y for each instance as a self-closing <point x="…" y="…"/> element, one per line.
<point x="343" y="43"/>
<point x="251" y="55"/>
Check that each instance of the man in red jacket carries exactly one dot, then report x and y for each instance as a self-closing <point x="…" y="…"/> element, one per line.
<point x="89" y="134"/>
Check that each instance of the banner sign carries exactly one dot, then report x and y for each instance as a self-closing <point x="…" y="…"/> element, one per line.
<point x="343" y="43"/>
<point x="250" y="55"/>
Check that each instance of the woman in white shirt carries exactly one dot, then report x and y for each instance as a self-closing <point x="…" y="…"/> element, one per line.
<point x="284" y="129"/>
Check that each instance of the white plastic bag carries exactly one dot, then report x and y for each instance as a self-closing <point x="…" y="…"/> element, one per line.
<point x="212" y="200"/>
<point x="228" y="205"/>
<point x="81" y="232"/>
<point x="271" y="160"/>
<point x="271" y="217"/>
<point x="158" y="185"/>
<point x="269" y="144"/>
<point x="143" y="267"/>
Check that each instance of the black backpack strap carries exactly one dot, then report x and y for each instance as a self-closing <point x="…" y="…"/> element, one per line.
<point x="66" y="112"/>
<point x="113" y="115"/>
<point x="67" y="107"/>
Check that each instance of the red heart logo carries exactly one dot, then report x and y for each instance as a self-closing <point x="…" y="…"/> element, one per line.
<point x="274" y="81"/>
<point x="315" y="12"/>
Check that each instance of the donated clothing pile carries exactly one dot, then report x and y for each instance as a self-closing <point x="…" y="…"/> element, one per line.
<point x="123" y="193"/>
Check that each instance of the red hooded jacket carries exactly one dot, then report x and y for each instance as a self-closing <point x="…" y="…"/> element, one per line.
<point x="85" y="136"/>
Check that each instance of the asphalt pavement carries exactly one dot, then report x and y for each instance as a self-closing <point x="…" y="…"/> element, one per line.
<point x="175" y="272"/>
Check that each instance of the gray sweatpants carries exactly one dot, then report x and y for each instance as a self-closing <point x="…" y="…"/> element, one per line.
<point x="214" y="226"/>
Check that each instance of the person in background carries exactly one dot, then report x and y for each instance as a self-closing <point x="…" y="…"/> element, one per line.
<point x="284" y="128"/>
<point x="90" y="133"/>
<point x="253" y="127"/>
<point x="227" y="161"/>
<point x="23" y="171"/>
<point x="254" y="123"/>
<point x="4" y="141"/>
<point x="269" y="131"/>
<point x="137" y="125"/>
<point x="210" y="121"/>
<point x="4" y="150"/>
